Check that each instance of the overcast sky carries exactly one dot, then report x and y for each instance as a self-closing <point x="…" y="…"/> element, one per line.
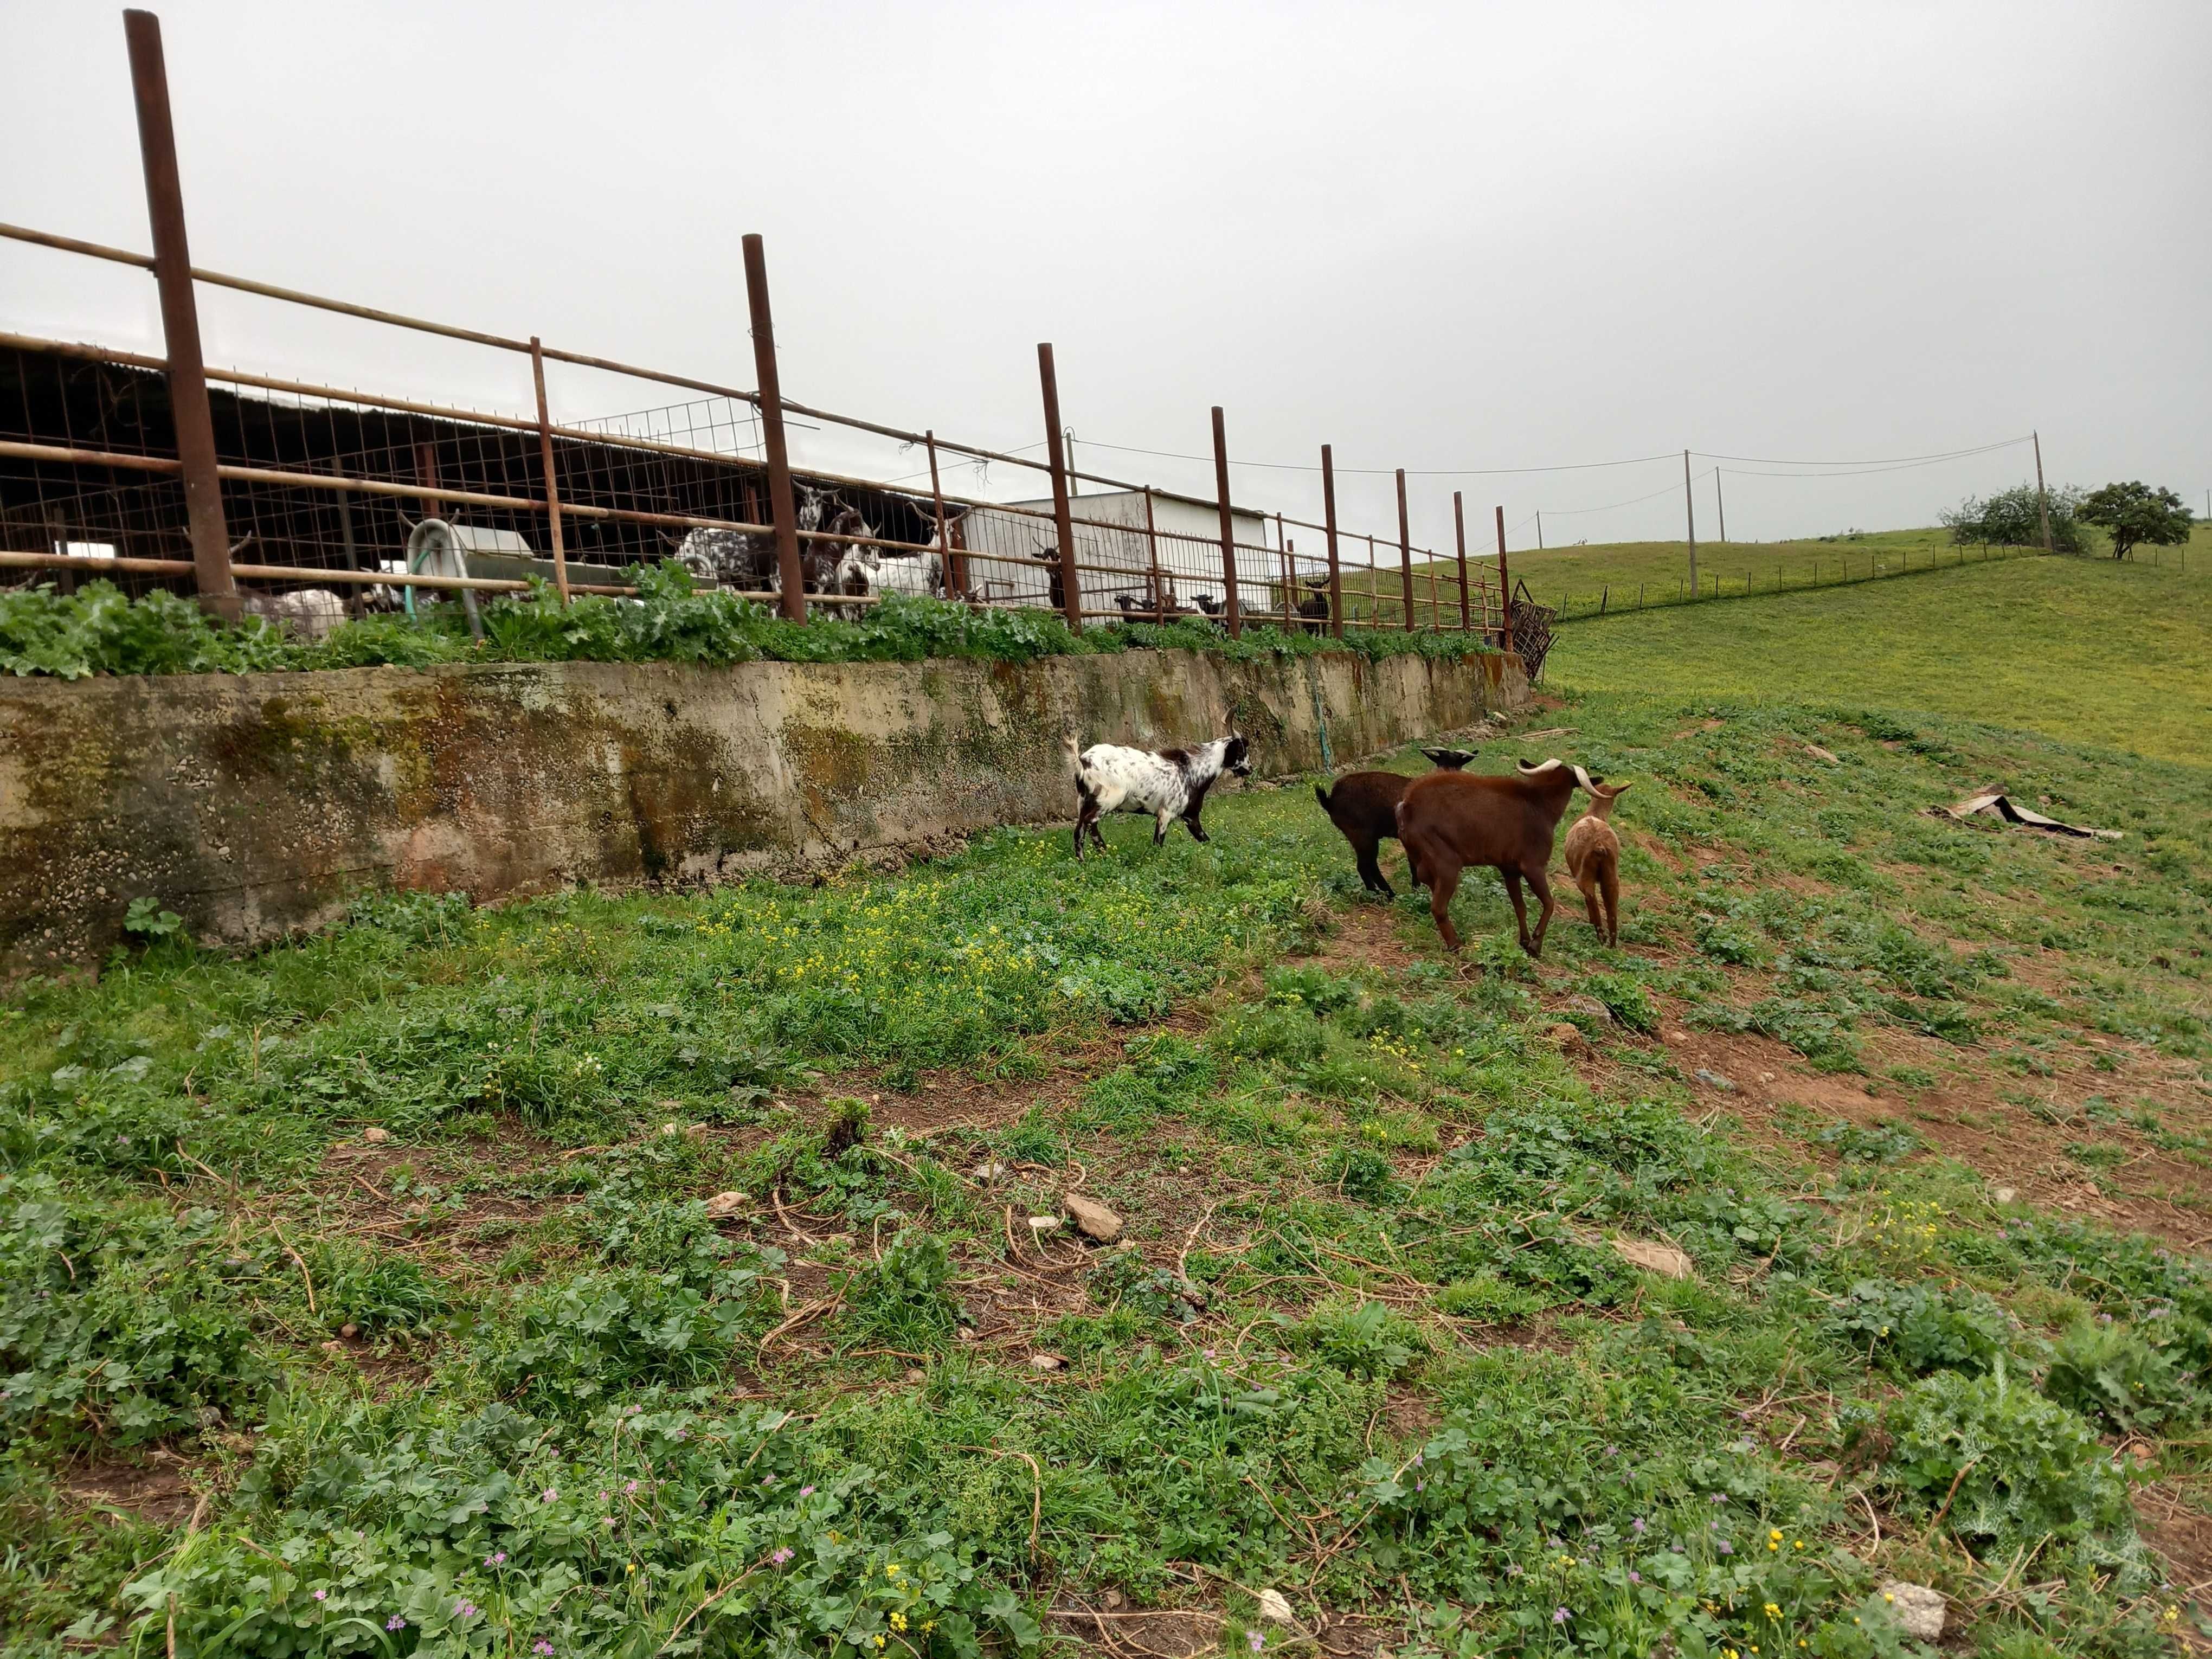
<point x="1450" y="237"/>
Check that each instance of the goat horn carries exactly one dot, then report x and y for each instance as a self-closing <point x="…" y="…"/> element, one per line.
<point x="1530" y="770"/>
<point x="1583" y="779"/>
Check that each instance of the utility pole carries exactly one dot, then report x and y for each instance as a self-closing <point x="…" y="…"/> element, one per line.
<point x="2042" y="503"/>
<point x="1720" y="502"/>
<point x="1690" y="511"/>
<point x="1075" y="483"/>
<point x="1539" y="530"/>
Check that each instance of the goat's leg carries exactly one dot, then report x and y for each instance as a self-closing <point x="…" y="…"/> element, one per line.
<point x="1084" y="820"/>
<point x="1161" y="820"/>
<point x="1098" y="833"/>
<point x="1541" y="880"/>
<point x="1587" y="880"/>
<point x="1444" y="882"/>
<point x="1512" y="879"/>
<point x="1190" y="822"/>
<point x="1370" y="873"/>
<point x="1610" y="879"/>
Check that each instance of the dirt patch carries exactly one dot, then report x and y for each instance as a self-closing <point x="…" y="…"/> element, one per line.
<point x="2182" y="1535"/>
<point x="159" y="1493"/>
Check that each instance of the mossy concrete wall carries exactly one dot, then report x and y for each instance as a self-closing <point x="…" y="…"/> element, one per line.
<point x="256" y="804"/>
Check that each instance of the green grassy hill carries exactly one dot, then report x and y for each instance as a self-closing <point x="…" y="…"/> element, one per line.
<point x="2089" y="649"/>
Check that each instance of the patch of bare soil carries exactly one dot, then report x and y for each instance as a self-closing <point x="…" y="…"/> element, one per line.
<point x="2181" y="1532"/>
<point x="159" y="1492"/>
<point x="1965" y="1114"/>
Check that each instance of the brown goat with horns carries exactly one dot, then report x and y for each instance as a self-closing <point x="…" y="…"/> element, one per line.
<point x="1450" y="820"/>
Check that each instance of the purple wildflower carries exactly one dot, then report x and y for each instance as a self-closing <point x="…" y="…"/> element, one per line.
<point x="395" y="1623"/>
<point x="782" y="1556"/>
<point x="806" y="1492"/>
<point x="542" y="1648"/>
<point x="767" y="1481"/>
<point x="1718" y="1498"/>
<point x="322" y="1595"/>
<point x="465" y="1609"/>
<point x="1613" y="1451"/>
<point x="1560" y="1615"/>
<point x="603" y="1494"/>
<point x="496" y="1559"/>
<point x="1513" y="1570"/>
<point x="1557" y="1543"/>
<point x="1253" y="1640"/>
<point x="1634" y="1577"/>
<point x="548" y="1495"/>
<point x="1727" y="1548"/>
<point x="1636" y="1524"/>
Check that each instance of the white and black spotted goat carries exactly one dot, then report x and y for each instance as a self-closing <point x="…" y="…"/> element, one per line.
<point x="1169" y="785"/>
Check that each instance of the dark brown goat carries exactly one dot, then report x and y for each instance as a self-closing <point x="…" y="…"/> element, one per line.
<point x="1448" y="821"/>
<point x="1364" y="806"/>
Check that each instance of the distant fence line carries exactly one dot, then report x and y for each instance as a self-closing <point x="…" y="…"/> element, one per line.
<point x="121" y="464"/>
<point x="1846" y="568"/>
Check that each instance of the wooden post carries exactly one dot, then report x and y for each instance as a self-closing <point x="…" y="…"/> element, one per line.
<point x="1459" y="532"/>
<point x="180" y="320"/>
<point x="1539" y="530"/>
<point x="426" y="474"/>
<point x="956" y="570"/>
<point x="2042" y="503"/>
<point x="1405" y="550"/>
<point x="1504" y="588"/>
<point x="1233" y="611"/>
<point x="1690" y="508"/>
<point x="546" y="455"/>
<point x="1160" y="612"/>
<point x="1071" y="587"/>
<point x="783" y="513"/>
<point x="1328" y="519"/>
<point x="1283" y="559"/>
<point x="1721" y="500"/>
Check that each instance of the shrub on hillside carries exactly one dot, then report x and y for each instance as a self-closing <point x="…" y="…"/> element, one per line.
<point x="2013" y="518"/>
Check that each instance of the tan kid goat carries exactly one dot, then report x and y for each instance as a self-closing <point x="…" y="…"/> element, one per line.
<point x="1594" y="855"/>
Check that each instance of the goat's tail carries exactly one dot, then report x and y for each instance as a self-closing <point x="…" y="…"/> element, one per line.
<point x="1321" y="795"/>
<point x="1074" y="751"/>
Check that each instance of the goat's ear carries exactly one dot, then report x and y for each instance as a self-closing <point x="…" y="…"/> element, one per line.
<point x="1620" y="789"/>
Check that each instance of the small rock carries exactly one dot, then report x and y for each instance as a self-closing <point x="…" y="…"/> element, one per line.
<point x="1591" y="1007"/>
<point x="348" y="1330"/>
<point x="1114" y="1599"/>
<point x="1919" y="1609"/>
<point x="1819" y="753"/>
<point x="2004" y="1194"/>
<point x="917" y="1376"/>
<point x="1093" y="1220"/>
<point x="723" y="1205"/>
<point x="1047" y="1362"/>
<point x="967" y="1335"/>
<point x="671" y="1128"/>
<point x="1565" y="1035"/>
<point x="989" y="1171"/>
<point x="1042" y="1224"/>
<point x="376" y="1137"/>
<point x="1766" y="1077"/>
<point x="1275" y="1607"/>
<point x="1654" y="1258"/>
<point x="1678" y="1036"/>
<point x="1715" y="1080"/>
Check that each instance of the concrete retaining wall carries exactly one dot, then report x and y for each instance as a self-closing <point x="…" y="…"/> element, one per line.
<point x="256" y="805"/>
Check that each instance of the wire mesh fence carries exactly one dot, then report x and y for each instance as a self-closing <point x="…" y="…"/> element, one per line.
<point x="320" y="485"/>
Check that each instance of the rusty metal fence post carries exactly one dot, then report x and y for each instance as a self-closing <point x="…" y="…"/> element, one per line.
<point x="552" y="482"/>
<point x="1233" y="609"/>
<point x="1071" y="586"/>
<point x="1459" y="532"/>
<point x="1160" y="600"/>
<point x="1505" y="589"/>
<point x="783" y="512"/>
<point x="955" y="571"/>
<point x="1329" y="520"/>
<point x="180" y="319"/>
<point x="1405" y="550"/>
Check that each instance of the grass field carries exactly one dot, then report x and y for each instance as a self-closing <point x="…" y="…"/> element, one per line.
<point x="2099" y="651"/>
<point x="656" y="1274"/>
